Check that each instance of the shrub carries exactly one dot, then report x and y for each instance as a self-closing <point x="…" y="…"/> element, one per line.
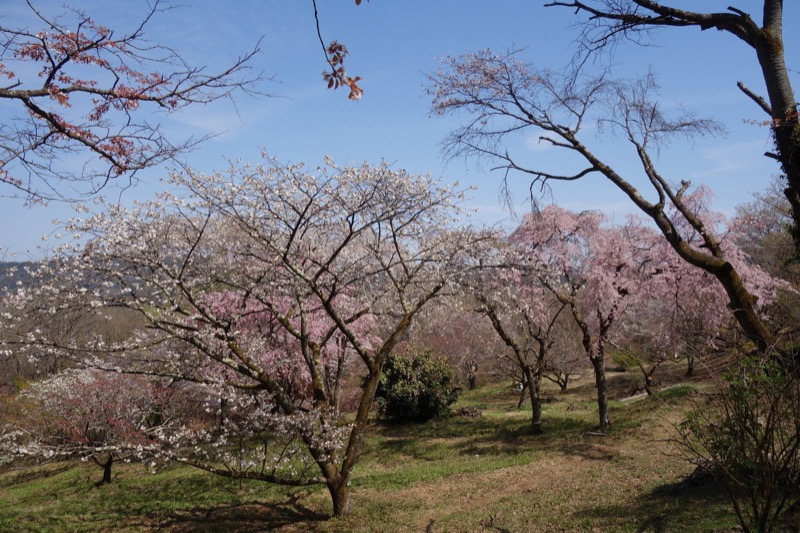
<point x="415" y="388"/>
<point x="749" y="438"/>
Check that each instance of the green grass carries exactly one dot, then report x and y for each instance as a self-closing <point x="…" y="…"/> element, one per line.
<point x="461" y="474"/>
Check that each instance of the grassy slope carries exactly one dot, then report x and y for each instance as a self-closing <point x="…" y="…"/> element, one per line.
<point x="458" y="474"/>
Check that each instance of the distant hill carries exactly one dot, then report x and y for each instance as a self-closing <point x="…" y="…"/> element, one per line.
<point x="11" y="272"/>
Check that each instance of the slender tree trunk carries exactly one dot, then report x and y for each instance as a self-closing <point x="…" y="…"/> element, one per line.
<point x="472" y="376"/>
<point x="599" y="366"/>
<point x="523" y="386"/>
<point x="534" y="385"/>
<point x="338" y="477"/>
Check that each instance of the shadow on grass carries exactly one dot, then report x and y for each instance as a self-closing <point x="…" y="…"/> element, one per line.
<point x="27" y="475"/>
<point x="509" y="437"/>
<point x="240" y="517"/>
<point x="681" y="506"/>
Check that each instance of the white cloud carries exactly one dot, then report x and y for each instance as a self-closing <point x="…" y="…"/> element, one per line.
<point x="733" y="158"/>
<point x="536" y="144"/>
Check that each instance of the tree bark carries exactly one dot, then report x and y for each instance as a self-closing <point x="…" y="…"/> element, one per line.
<point x="564" y="383"/>
<point x="769" y="46"/>
<point x="106" y="466"/>
<point x="340" y="497"/>
<point x="597" y="358"/>
<point x="599" y="366"/>
<point x="536" y="401"/>
<point x="472" y="375"/>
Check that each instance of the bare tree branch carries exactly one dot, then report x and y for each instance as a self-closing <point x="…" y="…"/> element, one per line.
<point x="609" y="22"/>
<point x="88" y="100"/>
<point x="763" y="104"/>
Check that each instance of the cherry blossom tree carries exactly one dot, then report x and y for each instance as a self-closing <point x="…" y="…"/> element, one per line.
<point x="91" y="414"/>
<point x="524" y="315"/>
<point x="503" y="96"/>
<point x="683" y="311"/>
<point x="593" y="269"/>
<point x="448" y="327"/>
<point x="71" y="326"/>
<point x="762" y="228"/>
<point x="568" y="358"/>
<point x="85" y="89"/>
<point x="249" y="281"/>
<point x="683" y="316"/>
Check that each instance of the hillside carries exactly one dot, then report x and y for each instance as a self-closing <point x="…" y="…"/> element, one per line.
<point x="469" y="474"/>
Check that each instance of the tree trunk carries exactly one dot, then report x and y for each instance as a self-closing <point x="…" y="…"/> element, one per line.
<point x="769" y="46"/>
<point x="338" y="476"/>
<point x="472" y="376"/>
<point x="107" y="469"/>
<point x="599" y="365"/>
<point x="689" y="365"/>
<point x="536" y="402"/>
<point x="340" y="497"/>
<point x="523" y="386"/>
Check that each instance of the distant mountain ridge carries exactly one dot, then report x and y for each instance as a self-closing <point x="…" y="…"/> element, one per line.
<point x="12" y="271"/>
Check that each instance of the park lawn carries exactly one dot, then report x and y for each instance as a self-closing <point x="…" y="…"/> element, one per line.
<point x="485" y="473"/>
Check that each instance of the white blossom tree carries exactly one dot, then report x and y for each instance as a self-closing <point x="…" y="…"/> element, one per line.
<point x="523" y="314"/>
<point x="250" y="282"/>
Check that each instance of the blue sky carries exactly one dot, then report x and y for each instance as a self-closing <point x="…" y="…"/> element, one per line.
<point x="393" y="44"/>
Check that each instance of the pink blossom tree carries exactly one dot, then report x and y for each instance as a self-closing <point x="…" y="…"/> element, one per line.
<point x="504" y="97"/>
<point x="593" y="269"/>
<point x="91" y="414"/>
<point x="448" y="327"/>
<point x="250" y="282"/>
<point x="680" y="310"/>
<point x="763" y="228"/>
<point x="85" y="89"/>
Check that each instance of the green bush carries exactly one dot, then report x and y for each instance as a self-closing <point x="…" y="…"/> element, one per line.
<point x="415" y="388"/>
<point x="748" y="436"/>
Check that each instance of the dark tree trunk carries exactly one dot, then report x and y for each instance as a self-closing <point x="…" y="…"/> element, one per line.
<point x="106" y="466"/>
<point x="536" y="401"/>
<point x="769" y="46"/>
<point x="564" y="383"/>
<point x="599" y="366"/>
